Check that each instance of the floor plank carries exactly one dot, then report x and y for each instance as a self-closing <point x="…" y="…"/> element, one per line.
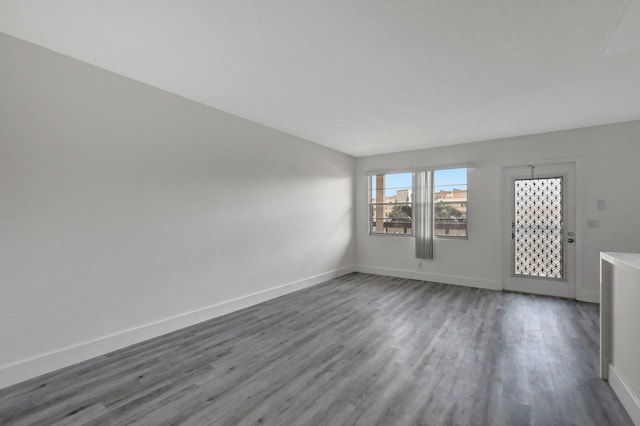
<point x="359" y="350"/>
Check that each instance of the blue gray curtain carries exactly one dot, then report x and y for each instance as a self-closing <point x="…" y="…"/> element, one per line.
<point x="423" y="213"/>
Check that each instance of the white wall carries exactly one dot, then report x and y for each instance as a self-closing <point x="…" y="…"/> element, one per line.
<point x="607" y="158"/>
<point x="122" y="205"/>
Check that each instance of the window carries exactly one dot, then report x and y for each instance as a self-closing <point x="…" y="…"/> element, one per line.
<point x="450" y="203"/>
<point x="391" y="205"/>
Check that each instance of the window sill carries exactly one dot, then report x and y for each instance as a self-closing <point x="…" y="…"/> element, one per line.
<point x="442" y="238"/>
<point x="389" y="234"/>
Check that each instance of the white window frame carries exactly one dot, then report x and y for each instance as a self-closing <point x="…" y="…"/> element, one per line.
<point x="451" y="237"/>
<point x="432" y="170"/>
<point x="371" y="176"/>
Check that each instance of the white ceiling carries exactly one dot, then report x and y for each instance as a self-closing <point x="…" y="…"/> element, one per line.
<point x="365" y="77"/>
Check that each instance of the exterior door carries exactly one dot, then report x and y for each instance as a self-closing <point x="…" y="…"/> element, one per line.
<point x="539" y="254"/>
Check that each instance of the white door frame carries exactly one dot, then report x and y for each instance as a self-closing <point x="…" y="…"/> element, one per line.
<point x="505" y="218"/>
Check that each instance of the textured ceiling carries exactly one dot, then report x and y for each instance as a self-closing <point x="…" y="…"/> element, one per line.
<point x="365" y="77"/>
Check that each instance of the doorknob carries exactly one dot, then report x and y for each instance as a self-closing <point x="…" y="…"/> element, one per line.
<point x="570" y="240"/>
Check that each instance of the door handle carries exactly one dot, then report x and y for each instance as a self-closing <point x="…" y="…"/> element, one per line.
<point x="570" y="240"/>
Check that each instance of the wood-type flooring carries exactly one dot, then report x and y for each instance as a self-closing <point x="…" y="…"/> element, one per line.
<point x="360" y="349"/>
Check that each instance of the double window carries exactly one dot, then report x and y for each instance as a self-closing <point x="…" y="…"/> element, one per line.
<point x="445" y="194"/>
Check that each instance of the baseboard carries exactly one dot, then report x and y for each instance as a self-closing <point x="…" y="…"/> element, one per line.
<point x="629" y="400"/>
<point x="591" y="296"/>
<point x="438" y="278"/>
<point x="29" y="368"/>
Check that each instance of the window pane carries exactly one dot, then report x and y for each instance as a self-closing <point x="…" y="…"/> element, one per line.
<point x="449" y="220"/>
<point x="391" y="208"/>
<point x="450" y="202"/>
<point x="391" y="219"/>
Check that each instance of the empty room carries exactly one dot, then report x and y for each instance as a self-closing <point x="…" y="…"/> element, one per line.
<point x="319" y="213"/>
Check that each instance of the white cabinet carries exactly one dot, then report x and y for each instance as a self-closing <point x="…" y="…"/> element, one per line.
<point x="620" y="327"/>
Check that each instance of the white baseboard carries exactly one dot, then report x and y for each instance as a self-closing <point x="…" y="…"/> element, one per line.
<point x="438" y="278"/>
<point x="44" y="363"/>
<point x="591" y="296"/>
<point x="629" y="400"/>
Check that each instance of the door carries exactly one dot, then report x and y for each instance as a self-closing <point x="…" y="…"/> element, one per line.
<point x="539" y="252"/>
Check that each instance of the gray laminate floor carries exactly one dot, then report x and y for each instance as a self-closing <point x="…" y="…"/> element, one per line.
<point x="360" y="349"/>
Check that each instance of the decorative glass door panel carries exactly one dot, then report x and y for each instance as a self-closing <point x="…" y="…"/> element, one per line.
<point x="537" y="228"/>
